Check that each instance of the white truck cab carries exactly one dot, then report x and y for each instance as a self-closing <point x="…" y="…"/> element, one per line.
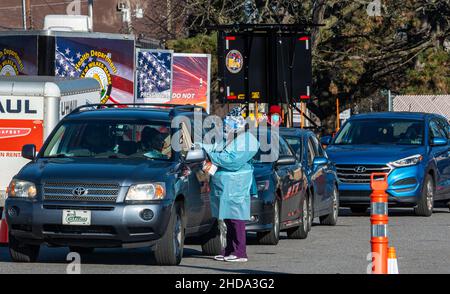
<point x="30" y="107"/>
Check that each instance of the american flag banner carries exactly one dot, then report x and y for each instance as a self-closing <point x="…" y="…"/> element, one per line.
<point x="109" y="61"/>
<point x="154" y="75"/>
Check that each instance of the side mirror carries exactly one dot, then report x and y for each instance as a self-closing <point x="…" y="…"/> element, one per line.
<point x="29" y="151"/>
<point x="320" y="161"/>
<point x="195" y="155"/>
<point x="286" y="160"/>
<point x="326" y="140"/>
<point x="439" y="142"/>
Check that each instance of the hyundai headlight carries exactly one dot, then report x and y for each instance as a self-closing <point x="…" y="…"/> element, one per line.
<point x="408" y="161"/>
<point x="22" y="189"/>
<point x="144" y="192"/>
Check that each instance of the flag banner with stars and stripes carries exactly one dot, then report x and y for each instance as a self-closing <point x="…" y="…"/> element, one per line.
<point x="154" y="75"/>
<point x="109" y="61"/>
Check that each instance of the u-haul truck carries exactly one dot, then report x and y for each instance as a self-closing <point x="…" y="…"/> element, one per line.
<point x="30" y="107"/>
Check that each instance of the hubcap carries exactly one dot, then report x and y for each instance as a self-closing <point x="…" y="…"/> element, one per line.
<point x="276" y="220"/>
<point x="430" y="195"/>
<point x="335" y="203"/>
<point x="177" y="236"/>
<point x="305" y="215"/>
<point x="310" y="213"/>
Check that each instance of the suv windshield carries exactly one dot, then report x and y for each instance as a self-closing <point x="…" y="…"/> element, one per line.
<point x="110" y="139"/>
<point x="381" y="131"/>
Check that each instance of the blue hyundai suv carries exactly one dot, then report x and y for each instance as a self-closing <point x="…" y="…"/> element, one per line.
<point x="412" y="148"/>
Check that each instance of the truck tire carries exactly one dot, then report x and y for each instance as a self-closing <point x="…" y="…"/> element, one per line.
<point x="22" y="252"/>
<point x="169" y="249"/>
<point x="212" y="242"/>
<point x="82" y="250"/>
<point x="331" y="218"/>
<point x="359" y="208"/>
<point x="273" y="236"/>
<point x="301" y="232"/>
<point x="426" y="202"/>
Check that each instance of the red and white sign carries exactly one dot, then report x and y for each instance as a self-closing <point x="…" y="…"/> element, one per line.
<point x="21" y="123"/>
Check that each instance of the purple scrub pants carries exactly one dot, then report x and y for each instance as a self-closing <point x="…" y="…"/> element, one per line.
<point x="236" y="238"/>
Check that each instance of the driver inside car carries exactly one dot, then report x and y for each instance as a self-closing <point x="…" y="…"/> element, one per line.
<point x="152" y="143"/>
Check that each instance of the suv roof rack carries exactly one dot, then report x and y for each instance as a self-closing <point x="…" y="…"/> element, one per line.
<point x="174" y="107"/>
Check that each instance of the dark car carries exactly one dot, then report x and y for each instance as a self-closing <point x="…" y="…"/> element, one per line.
<point x="280" y="205"/>
<point x="412" y="148"/>
<point x="323" y="193"/>
<point x="109" y="177"/>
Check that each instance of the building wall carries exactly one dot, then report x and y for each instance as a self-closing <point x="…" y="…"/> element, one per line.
<point x="107" y="18"/>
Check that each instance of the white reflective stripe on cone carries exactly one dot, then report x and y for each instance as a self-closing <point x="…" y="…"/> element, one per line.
<point x="378" y="208"/>
<point x="379" y="231"/>
<point x="392" y="266"/>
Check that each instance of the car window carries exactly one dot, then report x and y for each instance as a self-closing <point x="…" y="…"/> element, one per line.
<point x="296" y="144"/>
<point x="436" y="131"/>
<point x="382" y="131"/>
<point x="284" y="148"/>
<point x="445" y="126"/>
<point x="317" y="147"/>
<point x="311" y="152"/>
<point x="111" y="139"/>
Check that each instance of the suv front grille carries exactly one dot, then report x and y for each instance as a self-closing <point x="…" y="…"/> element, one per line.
<point x="59" y="191"/>
<point x="359" y="174"/>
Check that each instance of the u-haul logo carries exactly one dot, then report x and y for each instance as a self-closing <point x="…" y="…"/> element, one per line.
<point x="21" y="108"/>
<point x="6" y="133"/>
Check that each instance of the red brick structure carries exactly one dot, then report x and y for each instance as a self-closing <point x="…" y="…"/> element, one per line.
<point x="161" y="17"/>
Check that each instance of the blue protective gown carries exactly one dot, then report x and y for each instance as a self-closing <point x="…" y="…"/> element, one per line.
<point x="232" y="183"/>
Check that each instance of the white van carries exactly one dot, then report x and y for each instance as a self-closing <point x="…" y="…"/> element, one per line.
<point x="30" y="107"/>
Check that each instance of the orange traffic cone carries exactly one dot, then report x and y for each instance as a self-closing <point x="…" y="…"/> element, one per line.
<point x="3" y="230"/>
<point x="392" y="261"/>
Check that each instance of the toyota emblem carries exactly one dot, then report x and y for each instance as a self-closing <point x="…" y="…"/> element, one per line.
<point x="79" y="191"/>
<point x="360" y="169"/>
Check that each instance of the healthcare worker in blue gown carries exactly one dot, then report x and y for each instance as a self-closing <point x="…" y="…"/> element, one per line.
<point x="233" y="183"/>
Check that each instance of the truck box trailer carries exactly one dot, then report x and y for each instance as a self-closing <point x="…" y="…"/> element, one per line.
<point x="30" y="107"/>
<point x="108" y="58"/>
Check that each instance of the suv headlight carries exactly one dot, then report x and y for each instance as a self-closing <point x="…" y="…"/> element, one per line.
<point x="143" y="192"/>
<point x="408" y="161"/>
<point x="22" y="189"/>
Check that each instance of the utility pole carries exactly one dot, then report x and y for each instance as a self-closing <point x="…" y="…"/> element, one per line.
<point x="28" y="14"/>
<point x="24" y="14"/>
<point x="390" y="102"/>
<point x="91" y="14"/>
<point x="169" y="16"/>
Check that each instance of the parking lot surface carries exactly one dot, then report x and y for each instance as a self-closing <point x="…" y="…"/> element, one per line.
<point x="423" y="246"/>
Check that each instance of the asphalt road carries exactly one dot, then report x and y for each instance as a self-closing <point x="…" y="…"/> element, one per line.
<point x="423" y="246"/>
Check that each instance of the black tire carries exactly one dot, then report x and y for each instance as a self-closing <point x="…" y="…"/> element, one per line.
<point x="426" y="201"/>
<point x="359" y="209"/>
<point x="20" y="252"/>
<point x="301" y="232"/>
<point x="169" y="249"/>
<point x="211" y="242"/>
<point x="82" y="250"/>
<point x="273" y="236"/>
<point x="331" y="218"/>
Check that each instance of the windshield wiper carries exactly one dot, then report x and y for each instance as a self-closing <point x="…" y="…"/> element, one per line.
<point x="60" y="155"/>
